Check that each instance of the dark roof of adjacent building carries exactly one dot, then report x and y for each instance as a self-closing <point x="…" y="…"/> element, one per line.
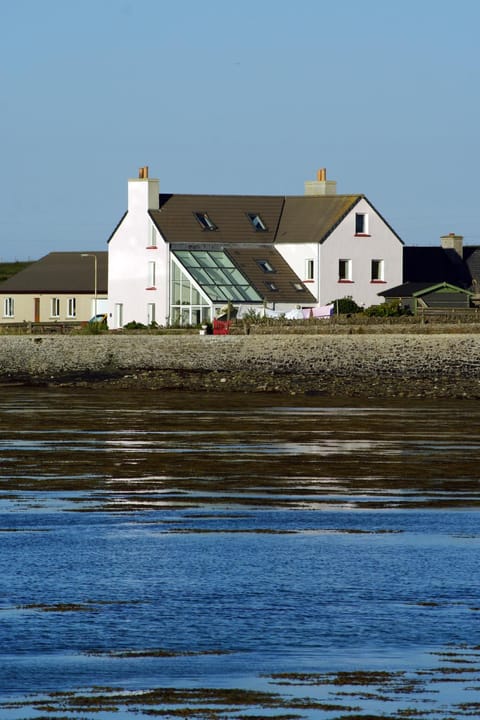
<point x="415" y="289"/>
<point x="436" y="264"/>
<point x="62" y="273"/>
<point x="471" y="256"/>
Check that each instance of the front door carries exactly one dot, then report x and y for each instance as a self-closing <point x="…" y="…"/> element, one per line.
<point x="36" y="312"/>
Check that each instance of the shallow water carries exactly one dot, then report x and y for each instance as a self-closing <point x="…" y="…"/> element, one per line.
<point x="175" y="540"/>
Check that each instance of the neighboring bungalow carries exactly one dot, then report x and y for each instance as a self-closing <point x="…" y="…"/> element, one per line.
<point x="179" y="259"/>
<point x="62" y="286"/>
<point x="439" y="277"/>
<point x="436" y="296"/>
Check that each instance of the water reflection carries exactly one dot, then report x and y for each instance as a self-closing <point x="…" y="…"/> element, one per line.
<point x="156" y="540"/>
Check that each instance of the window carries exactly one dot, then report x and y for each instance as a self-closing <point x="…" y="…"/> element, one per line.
<point x="204" y="220"/>
<point x="377" y="271"/>
<point x="271" y="286"/>
<point x="299" y="287"/>
<point x="72" y="307"/>
<point x="151" y="313"/>
<point x="309" y="269"/>
<point x="151" y="275"/>
<point x="8" y="307"/>
<point x="265" y="265"/>
<point x="257" y="222"/>
<point x="345" y="270"/>
<point x="55" y="308"/>
<point x="153" y="237"/>
<point x="361" y="224"/>
<point x="118" y="315"/>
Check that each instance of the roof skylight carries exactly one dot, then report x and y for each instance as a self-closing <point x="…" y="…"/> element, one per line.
<point x="204" y="220"/>
<point x="266" y="267"/>
<point x="257" y="222"/>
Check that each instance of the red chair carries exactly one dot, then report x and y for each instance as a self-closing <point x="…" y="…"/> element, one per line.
<point x="221" y="327"/>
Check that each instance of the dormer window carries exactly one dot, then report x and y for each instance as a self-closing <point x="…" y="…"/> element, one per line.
<point x="257" y="222"/>
<point x="265" y="265"/>
<point x="204" y="220"/>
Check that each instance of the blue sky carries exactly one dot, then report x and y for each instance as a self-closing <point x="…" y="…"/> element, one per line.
<point x="224" y="96"/>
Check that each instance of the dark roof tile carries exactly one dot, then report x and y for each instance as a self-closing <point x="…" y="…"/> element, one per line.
<point x="61" y="272"/>
<point x="229" y="213"/>
<point x="313" y="218"/>
<point x="249" y="261"/>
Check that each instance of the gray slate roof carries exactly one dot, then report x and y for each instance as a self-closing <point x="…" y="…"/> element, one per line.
<point x="249" y="259"/>
<point x="313" y="218"/>
<point x="177" y="222"/>
<point x="62" y="273"/>
<point x="287" y="219"/>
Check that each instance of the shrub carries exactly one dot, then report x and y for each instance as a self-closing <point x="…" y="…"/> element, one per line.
<point x="134" y="325"/>
<point x="346" y="306"/>
<point x="386" y="309"/>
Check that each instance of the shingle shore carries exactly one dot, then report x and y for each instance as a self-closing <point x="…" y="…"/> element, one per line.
<point x="436" y="365"/>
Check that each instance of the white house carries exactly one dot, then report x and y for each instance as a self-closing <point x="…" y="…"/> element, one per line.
<point x="339" y="245"/>
<point x="179" y="259"/>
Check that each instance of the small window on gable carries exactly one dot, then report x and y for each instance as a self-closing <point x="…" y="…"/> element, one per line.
<point x="204" y="220"/>
<point x="257" y="222"/>
<point x="271" y="286"/>
<point x="361" y="224"/>
<point x="265" y="265"/>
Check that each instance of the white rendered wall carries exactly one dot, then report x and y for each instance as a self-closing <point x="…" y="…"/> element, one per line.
<point x="129" y="253"/>
<point x="380" y="244"/>
<point x="296" y="255"/>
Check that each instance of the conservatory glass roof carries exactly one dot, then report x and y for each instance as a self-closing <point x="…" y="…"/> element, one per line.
<point x="217" y="275"/>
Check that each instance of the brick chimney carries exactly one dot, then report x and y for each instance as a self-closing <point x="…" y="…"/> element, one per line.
<point x="321" y="186"/>
<point x="453" y="242"/>
<point x="143" y="192"/>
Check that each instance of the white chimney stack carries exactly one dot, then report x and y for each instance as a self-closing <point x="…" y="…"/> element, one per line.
<point x="143" y="192"/>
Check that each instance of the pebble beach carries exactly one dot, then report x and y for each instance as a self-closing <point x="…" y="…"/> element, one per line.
<point x="444" y="365"/>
